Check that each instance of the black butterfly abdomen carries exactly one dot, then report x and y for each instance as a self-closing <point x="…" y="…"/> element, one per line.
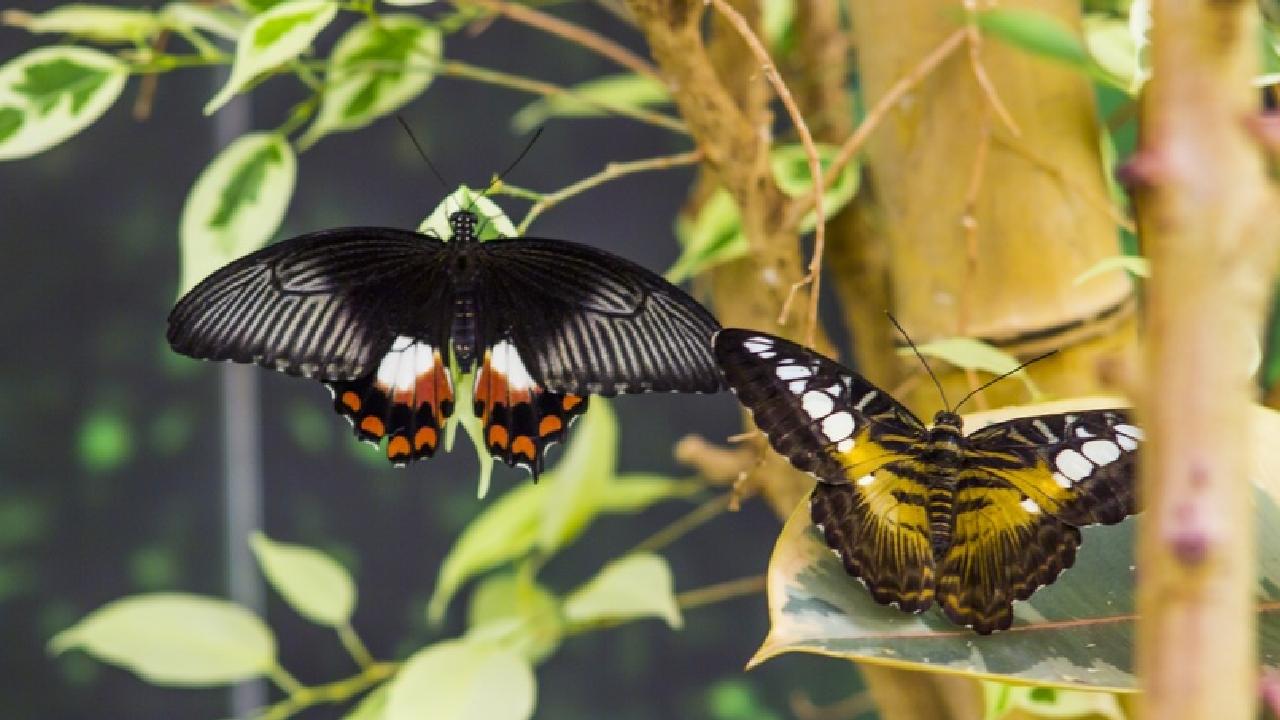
<point x="463" y="333"/>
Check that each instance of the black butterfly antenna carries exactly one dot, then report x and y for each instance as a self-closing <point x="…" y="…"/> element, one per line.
<point x="422" y="152"/>
<point x="497" y="179"/>
<point x="924" y="362"/>
<point x="1002" y="376"/>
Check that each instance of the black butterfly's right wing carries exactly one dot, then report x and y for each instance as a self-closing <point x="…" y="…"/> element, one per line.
<point x="872" y="499"/>
<point x="586" y="321"/>
<point x="325" y="305"/>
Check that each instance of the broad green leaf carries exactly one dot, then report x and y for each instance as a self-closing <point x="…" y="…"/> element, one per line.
<point x="236" y="204"/>
<point x="51" y="93"/>
<point x="1133" y="264"/>
<point x="715" y="237"/>
<point x="175" y="639"/>
<point x="375" y="69"/>
<point x="313" y="583"/>
<point x="373" y="706"/>
<point x="408" y="3"/>
<point x="1076" y="632"/>
<point x="273" y="38"/>
<point x="462" y="680"/>
<point x="537" y="628"/>
<point x="1111" y="44"/>
<point x="634" y="586"/>
<point x="506" y="530"/>
<point x="574" y="486"/>
<point x="790" y="165"/>
<point x="94" y="22"/>
<point x="493" y="221"/>
<point x="1009" y="702"/>
<point x="970" y="354"/>
<point x="590" y="99"/>
<point x="633" y="492"/>
<point x="190" y="16"/>
<point x="1035" y="32"/>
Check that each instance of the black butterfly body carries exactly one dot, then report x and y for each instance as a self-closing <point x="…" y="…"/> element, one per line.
<point x="928" y="513"/>
<point x="376" y="313"/>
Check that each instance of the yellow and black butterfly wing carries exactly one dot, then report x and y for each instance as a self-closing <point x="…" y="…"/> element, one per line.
<point x="871" y="498"/>
<point x="1026" y="486"/>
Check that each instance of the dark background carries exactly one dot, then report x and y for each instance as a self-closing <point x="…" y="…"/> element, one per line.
<point x="111" y="447"/>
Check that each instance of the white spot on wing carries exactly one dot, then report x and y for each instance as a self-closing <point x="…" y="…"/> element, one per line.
<point x="505" y="359"/>
<point x="1084" y="433"/>
<point x="1063" y="481"/>
<point x="1029" y="505"/>
<point x="1044" y="430"/>
<point x="845" y="445"/>
<point x="792" y="372"/>
<point x="838" y="426"/>
<point x="757" y="344"/>
<point x="798" y="386"/>
<point x="403" y="363"/>
<point x="1073" y="465"/>
<point x="1127" y="442"/>
<point x="1101" y="452"/>
<point x="1133" y="432"/>
<point x="866" y="480"/>
<point x="817" y="404"/>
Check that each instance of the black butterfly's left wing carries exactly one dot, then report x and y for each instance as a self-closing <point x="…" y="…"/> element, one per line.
<point x="586" y="321"/>
<point x="1027" y="486"/>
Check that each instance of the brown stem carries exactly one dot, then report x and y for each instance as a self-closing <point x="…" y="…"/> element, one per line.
<point x="1202" y="195"/>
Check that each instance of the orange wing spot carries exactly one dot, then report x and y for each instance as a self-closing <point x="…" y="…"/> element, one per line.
<point x="351" y="401"/>
<point x="373" y="425"/>
<point x="549" y="425"/>
<point x="425" y="437"/>
<point x="571" y="401"/>
<point x="398" y="447"/>
<point x="523" y="445"/>
<point x="498" y="436"/>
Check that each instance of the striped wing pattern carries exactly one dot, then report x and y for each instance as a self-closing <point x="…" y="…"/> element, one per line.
<point x="589" y="322"/>
<point x="321" y="305"/>
<point x="917" y="520"/>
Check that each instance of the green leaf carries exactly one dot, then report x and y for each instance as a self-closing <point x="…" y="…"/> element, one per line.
<point x="273" y="38"/>
<point x="375" y="69"/>
<point x="1016" y="702"/>
<point x="589" y="99"/>
<point x="373" y="706"/>
<point x="529" y="612"/>
<point x="714" y="238"/>
<point x="1132" y="264"/>
<point x="634" y="586"/>
<point x="51" y="93"/>
<point x="970" y="354"/>
<point x="574" y="486"/>
<point x="1078" y="632"/>
<point x="175" y="639"/>
<point x="102" y="23"/>
<point x="408" y="3"/>
<point x="190" y="16"/>
<point x="1034" y="32"/>
<point x="462" y="680"/>
<point x="790" y="165"/>
<point x="236" y="204"/>
<point x="311" y="582"/>
<point x="493" y="221"/>
<point x="1112" y="46"/>
<point x="507" y="529"/>
<point x="633" y="492"/>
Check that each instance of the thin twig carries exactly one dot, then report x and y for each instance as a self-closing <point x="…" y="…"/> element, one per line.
<point x="611" y="171"/>
<point x="588" y="39"/>
<point x="684" y="524"/>
<point x="814" y="277"/>
<point x="875" y="116"/>
<point x="969" y="220"/>
<point x="145" y="100"/>
<point x="974" y="37"/>
<point x="720" y="592"/>
<point x="1020" y="147"/>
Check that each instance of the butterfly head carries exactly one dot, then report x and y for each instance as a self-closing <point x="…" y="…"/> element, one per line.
<point x="463" y="225"/>
<point x="947" y="423"/>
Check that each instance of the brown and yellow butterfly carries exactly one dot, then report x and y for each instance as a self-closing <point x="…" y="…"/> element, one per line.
<point x="923" y="514"/>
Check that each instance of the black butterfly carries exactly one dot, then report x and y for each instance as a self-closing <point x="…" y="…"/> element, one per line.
<point x="922" y="513"/>
<point x="372" y="313"/>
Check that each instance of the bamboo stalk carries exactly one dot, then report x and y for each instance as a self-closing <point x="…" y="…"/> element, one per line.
<point x="1201" y="189"/>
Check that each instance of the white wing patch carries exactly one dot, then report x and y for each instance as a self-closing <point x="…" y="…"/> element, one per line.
<point x="817" y="404"/>
<point x="837" y="427"/>
<point x="504" y="359"/>
<point x="1073" y="465"/>
<point x="1101" y="452"/>
<point x="404" y="362"/>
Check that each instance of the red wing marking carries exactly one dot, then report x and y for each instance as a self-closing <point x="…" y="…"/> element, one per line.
<point x="520" y="419"/>
<point x="407" y="399"/>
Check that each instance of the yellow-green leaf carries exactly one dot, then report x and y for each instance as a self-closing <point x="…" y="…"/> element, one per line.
<point x="494" y="223"/>
<point x="1111" y="43"/>
<point x="790" y="165"/>
<point x="236" y="204"/>
<point x="970" y="354"/>
<point x="273" y="38"/>
<point x="1133" y="264"/>
<point x="632" y="492"/>
<point x="311" y="582"/>
<point x="51" y="93"/>
<point x="574" y="486"/>
<point x="532" y="614"/>
<point x="1034" y="31"/>
<point x="1077" y="632"/>
<point x="373" y="706"/>
<point x="462" y="680"/>
<point x="715" y="237"/>
<point x="589" y="99"/>
<point x="1010" y="702"/>
<point x="375" y="69"/>
<point x="175" y="639"/>
<point x="189" y="16"/>
<point x="94" y="22"/>
<point x="634" y="586"/>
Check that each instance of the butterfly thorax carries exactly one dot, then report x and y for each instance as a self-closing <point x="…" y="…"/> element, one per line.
<point x="462" y="227"/>
<point x="942" y="456"/>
